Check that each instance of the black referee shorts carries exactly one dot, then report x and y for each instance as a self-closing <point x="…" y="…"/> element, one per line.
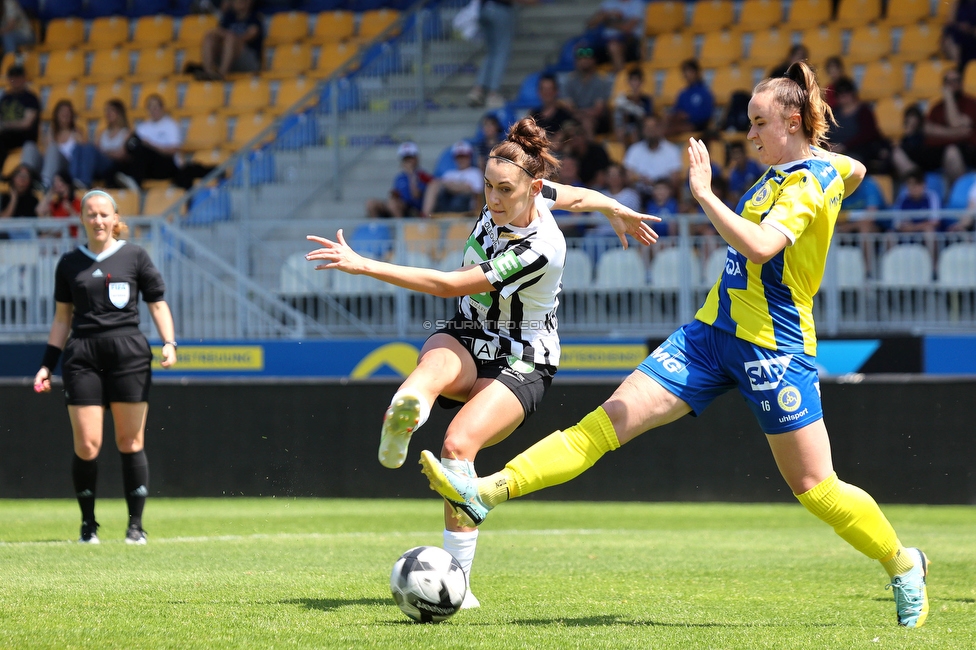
<point x="99" y="371"/>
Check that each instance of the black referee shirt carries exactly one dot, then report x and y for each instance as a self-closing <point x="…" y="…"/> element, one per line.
<point x="104" y="288"/>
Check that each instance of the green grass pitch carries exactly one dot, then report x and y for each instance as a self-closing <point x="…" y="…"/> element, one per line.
<point x="314" y="573"/>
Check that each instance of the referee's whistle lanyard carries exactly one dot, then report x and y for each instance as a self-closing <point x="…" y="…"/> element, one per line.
<point x="108" y="279"/>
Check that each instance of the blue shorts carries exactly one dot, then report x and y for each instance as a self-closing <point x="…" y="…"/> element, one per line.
<point x="700" y="362"/>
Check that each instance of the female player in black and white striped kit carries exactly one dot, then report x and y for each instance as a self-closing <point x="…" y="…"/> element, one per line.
<point x="106" y="359"/>
<point x="496" y="358"/>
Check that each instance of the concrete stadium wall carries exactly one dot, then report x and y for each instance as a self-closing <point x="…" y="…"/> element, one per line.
<point x="905" y="440"/>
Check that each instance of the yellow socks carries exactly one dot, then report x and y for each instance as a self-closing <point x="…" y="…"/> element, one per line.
<point x="555" y="459"/>
<point x="855" y="516"/>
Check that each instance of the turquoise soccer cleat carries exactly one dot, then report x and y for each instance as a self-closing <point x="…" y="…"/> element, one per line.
<point x="911" y="597"/>
<point x="457" y="489"/>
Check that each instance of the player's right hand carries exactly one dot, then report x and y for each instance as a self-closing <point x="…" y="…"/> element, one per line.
<point x="42" y="381"/>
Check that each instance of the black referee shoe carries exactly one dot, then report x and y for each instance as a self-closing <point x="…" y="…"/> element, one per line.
<point x="135" y="535"/>
<point x="88" y="535"/>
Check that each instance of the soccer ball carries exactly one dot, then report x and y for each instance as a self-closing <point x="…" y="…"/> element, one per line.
<point x="428" y="584"/>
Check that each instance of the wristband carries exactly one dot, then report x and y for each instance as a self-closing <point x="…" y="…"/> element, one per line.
<point x="51" y="356"/>
<point x="173" y="343"/>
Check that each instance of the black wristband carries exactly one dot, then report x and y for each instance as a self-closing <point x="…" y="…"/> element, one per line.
<point x="51" y="357"/>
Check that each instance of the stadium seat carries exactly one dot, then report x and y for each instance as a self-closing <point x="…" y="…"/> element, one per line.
<point x="108" y="32"/>
<point x="881" y="79"/>
<point x="806" y="14"/>
<point x="854" y="13"/>
<point x="261" y="164"/>
<point x="729" y="79"/>
<point x="620" y="269"/>
<point x="108" y="64"/>
<point x="957" y="266"/>
<point x="926" y="80"/>
<point x="209" y="206"/>
<point x="906" y="266"/>
<point x="373" y="239"/>
<point x="153" y="63"/>
<point x="159" y="199"/>
<point x="422" y="236"/>
<point x="298" y="277"/>
<point x="849" y="261"/>
<point x="332" y="56"/>
<point x="615" y="151"/>
<point x="919" y="42"/>
<point x="577" y="271"/>
<point x="29" y="59"/>
<point x="202" y="97"/>
<point x="73" y="92"/>
<point x="822" y="42"/>
<point x="668" y="267"/>
<point x="247" y="127"/>
<point x="890" y="112"/>
<point x="63" y="34"/>
<point x="128" y="201"/>
<point x="297" y="132"/>
<point x="333" y="27"/>
<point x="248" y="95"/>
<point x="193" y="28"/>
<point x="673" y="83"/>
<point x="287" y="27"/>
<point x="665" y="17"/>
<point x="671" y="49"/>
<point x="959" y="192"/>
<point x="64" y="66"/>
<point x="768" y="48"/>
<point x="907" y="12"/>
<point x="720" y="48"/>
<point x="375" y="22"/>
<point x="118" y="89"/>
<point x="868" y="43"/>
<point x="164" y="88"/>
<point x="205" y="132"/>
<point x="711" y="15"/>
<point x="152" y="30"/>
<point x="291" y="91"/>
<point x="289" y="60"/>
<point x="758" y="15"/>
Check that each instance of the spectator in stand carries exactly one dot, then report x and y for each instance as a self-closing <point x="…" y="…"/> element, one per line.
<point x="236" y="44"/>
<point x="834" y="67"/>
<point x="20" y="112"/>
<point x="20" y="200"/>
<point x="109" y="156"/>
<point x="63" y="139"/>
<point x="855" y="132"/>
<point x="458" y="190"/>
<point x="959" y="34"/>
<point x="552" y="114"/>
<point x="968" y="220"/>
<point x="587" y="93"/>
<point x="590" y="156"/>
<point x="693" y="109"/>
<point x="859" y="215"/>
<point x="950" y="128"/>
<point x="407" y="194"/>
<point x="662" y="202"/>
<point x="630" y="108"/>
<point x="497" y="24"/>
<point x="602" y="237"/>
<point x="653" y="158"/>
<point x="741" y="171"/>
<point x="154" y="147"/>
<point x="15" y="26"/>
<point x="60" y="201"/>
<point x="798" y="52"/>
<point x="491" y="133"/>
<point x="915" y="196"/>
<point x="911" y="152"/>
<point x="620" y="26"/>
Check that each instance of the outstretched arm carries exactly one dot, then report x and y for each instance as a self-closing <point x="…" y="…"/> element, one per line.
<point x="444" y="284"/>
<point x="624" y="220"/>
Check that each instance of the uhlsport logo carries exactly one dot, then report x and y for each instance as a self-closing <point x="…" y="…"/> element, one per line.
<point x="766" y="374"/>
<point x="789" y="399"/>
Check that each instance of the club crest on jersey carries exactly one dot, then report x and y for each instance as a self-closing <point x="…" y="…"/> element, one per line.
<point x="761" y="195"/>
<point x="118" y="294"/>
<point x="766" y="374"/>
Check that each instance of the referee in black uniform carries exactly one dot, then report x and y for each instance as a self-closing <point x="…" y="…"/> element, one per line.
<point x="107" y="359"/>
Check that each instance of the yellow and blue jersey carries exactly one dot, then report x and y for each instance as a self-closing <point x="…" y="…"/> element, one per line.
<point x="771" y="304"/>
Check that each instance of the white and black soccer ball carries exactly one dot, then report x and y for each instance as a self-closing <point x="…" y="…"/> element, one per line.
<point x="428" y="584"/>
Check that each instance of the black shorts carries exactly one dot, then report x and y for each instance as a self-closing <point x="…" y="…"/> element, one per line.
<point x="99" y="371"/>
<point x="527" y="381"/>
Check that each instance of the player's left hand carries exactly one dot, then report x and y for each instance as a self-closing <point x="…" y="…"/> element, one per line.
<point x="629" y="222"/>
<point x="700" y="169"/>
<point x="169" y="356"/>
<point x="338" y="254"/>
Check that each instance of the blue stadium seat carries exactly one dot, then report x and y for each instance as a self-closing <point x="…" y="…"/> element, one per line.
<point x="210" y="205"/>
<point x="445" y="163"/>
<point x="959" y="194"/>
<point x="936" y="182"/>
<point x="348" y="97"/>
<point x="528" y="93"/>
<point x="297" y="132"/>
<point x="262" y="163"/>
<point x="380" y="60"/>
<point x="373" y="239"/>
<point x="100" y="8"/>
<point x="433" y="27"/>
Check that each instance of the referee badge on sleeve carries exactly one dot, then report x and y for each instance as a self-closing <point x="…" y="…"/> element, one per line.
<point x="118" y="293"/>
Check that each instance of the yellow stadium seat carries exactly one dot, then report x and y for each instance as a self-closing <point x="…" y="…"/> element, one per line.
<point x="128" y="201"/>
<point x="374" y="22"/>
<point x="292" y="90"/>
<point x="711" y="15"/>
<point x="103" y="92"/>
<point x="768" y="48"/>
<point x="108" y="64"/>
<point x="671" y="49"/>
<point x="249" y="126"/>
<point x="30" y="60"/>
<point x="152" y="30"/>
<point x="332" y="56"/>
<point x="674" y="82"/>
<point x="108" y="31"/>
<point x="889" y="111"/>
<point x="729" y="79"/>
<point x="615" y="151"/>
<point x="919" y="42"/>
<point x="287" y="27"/>
<point x="202" y="97"/>
<point x="969" y="79"/>
<point x="155" y="63"/>
<point x="822" y="42"/>
<point x="160" y="199"/>
<point x="720" y="48"/>
<point x="193" y="28"/>
<point x="164" y="88"/>
<point x="756" y="15"/>
<point x="907" y="12"/>
<point x="854" y="13"/>
<point x="665" y="17"/>
<point x="881" y="78"/>
<point x="248" y="95"/>
<point x="290" y="60"/>
<point x="205" y="132"/>
<point x="64" y="65"/>
<point x="422" y="237"/>
<point x="805" y="14"/>
<point x="216" y="156"/>
<point x="64" y="34"/>
<point x="926" y="80"/>
<point x="333" y="27"/>
<point x="868" y="43"/>
<point x="73" y="92"/>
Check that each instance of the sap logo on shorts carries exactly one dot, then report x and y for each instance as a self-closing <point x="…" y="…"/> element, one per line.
<point x="789" y="398"/>
<point x="766" y="374"/>
<point x="671" y="362"/>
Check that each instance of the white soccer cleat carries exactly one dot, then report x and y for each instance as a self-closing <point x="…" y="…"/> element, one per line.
<point x="399" y="423"/>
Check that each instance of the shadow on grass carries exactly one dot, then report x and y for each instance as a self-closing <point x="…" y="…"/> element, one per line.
<point x="329" y="604"/>
<point x="599" y="621"/>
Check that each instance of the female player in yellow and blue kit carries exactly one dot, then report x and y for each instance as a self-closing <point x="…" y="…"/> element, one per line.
<point x="755" y="332"/>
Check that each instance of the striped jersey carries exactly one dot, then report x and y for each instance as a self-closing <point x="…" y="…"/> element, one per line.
<point x="771" y="304"/>
<point x="525" y="266"/>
